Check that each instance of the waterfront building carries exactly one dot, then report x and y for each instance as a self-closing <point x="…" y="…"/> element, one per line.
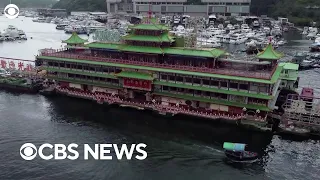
<point x="149" y="70"/>
<point x="202" y="8"/>
<point x="115" y="6"/>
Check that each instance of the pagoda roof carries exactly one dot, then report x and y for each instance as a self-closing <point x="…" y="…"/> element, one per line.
<point x="151" y="26"/>
<point x="269" y="53"/>
<point x="75" y="39"/>
<point x="157" y="50"/>
<point x="195" y="52"/>
<point x="141" y="49"/>
<point x="165" y="37"/>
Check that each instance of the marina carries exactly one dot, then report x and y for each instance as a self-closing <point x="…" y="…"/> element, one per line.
<point x="85" y="78"/>
<point x="166" y="93"/>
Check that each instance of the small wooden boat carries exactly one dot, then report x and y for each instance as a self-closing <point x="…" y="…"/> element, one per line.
<point x="236" y="152"/>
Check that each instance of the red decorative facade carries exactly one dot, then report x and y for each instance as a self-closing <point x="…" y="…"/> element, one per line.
<point x="137" y="84"/>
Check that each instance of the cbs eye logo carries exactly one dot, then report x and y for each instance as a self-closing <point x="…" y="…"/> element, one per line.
<point x="28" y="151"/>
<point x="11" y="11"/>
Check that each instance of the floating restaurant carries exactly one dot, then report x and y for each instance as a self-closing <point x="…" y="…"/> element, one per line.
<point x="149" y="70"/>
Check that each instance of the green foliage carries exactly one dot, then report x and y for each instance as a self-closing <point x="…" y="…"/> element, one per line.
<point x="295" y="10"/>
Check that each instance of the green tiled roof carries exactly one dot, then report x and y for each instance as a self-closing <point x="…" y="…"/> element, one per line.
<point x="194" y="52"/>
<point x="65" y="70"/>
<point x="216" y="90"/>
<point x="135" y="75"/>
<point x="75" y="39"/>
<point x="289" y="66"/>
<point x="151" y="26"/>
<point x="274" y="78"/>
<point x="103" y="45"/>
<point x="269" y="53"/>
<point x="214" y="101"/>
<point x="141" y="49"/>
<point x="162" y="38"/>
<point x="157" y="50"/>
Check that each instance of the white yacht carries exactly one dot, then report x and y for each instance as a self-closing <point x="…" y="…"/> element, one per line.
<point x="230" y="27"/>
<point x="245" y="28"/>
<point x="237" y="39"/>
<point x="256" y="24"/>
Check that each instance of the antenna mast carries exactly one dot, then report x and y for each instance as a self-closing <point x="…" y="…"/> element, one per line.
<point x="149" y="14"/>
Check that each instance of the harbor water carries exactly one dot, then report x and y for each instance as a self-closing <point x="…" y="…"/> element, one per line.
<point x="178" y="148"/>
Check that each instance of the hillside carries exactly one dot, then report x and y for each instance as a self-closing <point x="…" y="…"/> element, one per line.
<point x="29" y="3"/>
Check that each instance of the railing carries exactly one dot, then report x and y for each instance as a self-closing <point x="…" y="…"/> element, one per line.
<point x="62" y="54"/>
<point x="101" y="97"/>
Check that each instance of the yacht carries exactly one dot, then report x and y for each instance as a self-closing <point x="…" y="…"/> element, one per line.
<point x="230" y="27"/>
<point x="39" y="19"/>
<point x="77" y="29"/>
<point x="245" y="28"/>
<point x="237" y="39"/>
<point x="256" y="24"/>
<point x="61" y="26"/>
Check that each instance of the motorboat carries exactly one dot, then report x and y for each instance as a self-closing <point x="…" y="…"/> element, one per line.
<point x="237" y="39"/>
<point x="256" y="24"/>
<point x="236" y="152"/>
<point x="61" y="26"/>
<point x="315" y="47"/>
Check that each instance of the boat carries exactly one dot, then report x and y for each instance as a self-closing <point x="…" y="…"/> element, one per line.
<point x="315" y="47"/>
<point x="61" y="26"/>
<point x="150" y="69"/>
<point x="236" y="152"/>
<point x="19" y="84"/>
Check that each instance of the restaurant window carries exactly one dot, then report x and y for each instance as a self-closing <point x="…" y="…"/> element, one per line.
<point x="206" y="82"/>
<point x="164" y="77"/>
<point x="196" y="81"/>
<point x="223" y="96"/>
<point x="206" y="93"/>
<point x="188" y="80"/>
<point x="68" y="65"/>
<point x="263" y="89"/>
<point x="165" y="88"/>
<point x="50" y="63"/>
<point x="172" y="78"/>
<point x="179" y="78"/>
<point x="78" y="66"/>
<point x="181" y="90"/>
<point x="92" y="69"/>
<point x="243" y="86"/>
<point x="233" y="85"/>
<point x="96" y="78"/>
<point x="115" y="81"/>
<point x="190" y="91"/>
<point x="111" y="70"/>
<point x="173" y="89"/>
<point x="224" y="84"/>
<point x="197" y="92"/>
<point x="215" y="83"/>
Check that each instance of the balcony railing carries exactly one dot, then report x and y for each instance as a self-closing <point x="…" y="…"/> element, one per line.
<point x="231" y="72"/>
<point x="102" y="97"/>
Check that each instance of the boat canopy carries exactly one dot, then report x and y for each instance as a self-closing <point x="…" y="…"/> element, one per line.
<point x="234" y="146"/>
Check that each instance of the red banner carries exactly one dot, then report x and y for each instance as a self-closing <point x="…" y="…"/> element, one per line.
<point x="17" y="65"/>
<point x="137" y="84"/>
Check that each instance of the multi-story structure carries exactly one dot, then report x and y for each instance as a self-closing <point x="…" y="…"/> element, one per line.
<point x="148" y="70"/>
<point x="115" y="6"/>
<point x="202" y="8"/>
